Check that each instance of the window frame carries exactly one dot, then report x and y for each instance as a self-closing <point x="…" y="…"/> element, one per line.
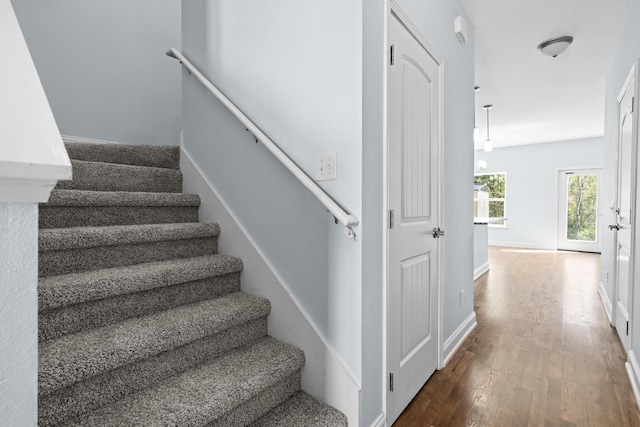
<point x="495" y="199"/>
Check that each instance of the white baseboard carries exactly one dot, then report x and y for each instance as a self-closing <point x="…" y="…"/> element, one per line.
<point x="78" y="139"/>
<point x="69" y="138"/>
<point x="633" y="370"/>
<point x="456" y="339"/>
<point x="521" y="245"/>
<point x="606" y="302"/>
<point x="380" y="421"/>
<point x="480" y="271"/>
<point x="324" y="376"/>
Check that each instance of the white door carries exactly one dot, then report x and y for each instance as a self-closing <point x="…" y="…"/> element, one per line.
<point x="578" y="210"/>
<point x="624" y="210"/>
<point x="414" y="89"/>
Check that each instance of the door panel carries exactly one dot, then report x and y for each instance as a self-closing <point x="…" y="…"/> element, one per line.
<point x="413" y="191"/>
<point x="416" y="302"/>
<point x="416" y="93"/>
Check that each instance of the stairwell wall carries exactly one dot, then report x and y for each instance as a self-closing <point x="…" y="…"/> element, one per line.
<point x="103" y="67"/>
<point x="295" y="68"/>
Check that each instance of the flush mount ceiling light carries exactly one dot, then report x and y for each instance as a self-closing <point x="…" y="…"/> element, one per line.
<point x="554" y="47"/>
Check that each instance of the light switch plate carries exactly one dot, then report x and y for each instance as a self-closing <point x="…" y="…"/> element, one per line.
<point x="325" y="166"/>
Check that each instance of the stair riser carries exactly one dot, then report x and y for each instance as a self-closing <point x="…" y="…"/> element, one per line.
<point x="138" y="155"/>
<point x="84" y="259"/>
<point x="98" y="216"/>
<point x="83" y="397"/>
<point x="67" y="320"/>
<point x="253" y="409"/>
<point x="114" y="177"/>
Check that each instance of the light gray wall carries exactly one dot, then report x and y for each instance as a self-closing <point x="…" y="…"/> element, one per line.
<point x="372" y="210"/>
<point x="103" y="67"/>
<point x="626" y="53"/>
<point x="18" y="314"/>
<point x="532" y="188"/>
<point x="435" y="20"/>
<point x="295" y="68"/>
<point x="311" y="76"/>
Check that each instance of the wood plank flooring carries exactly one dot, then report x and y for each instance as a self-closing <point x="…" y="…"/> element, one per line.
<point x="543" y="353"/>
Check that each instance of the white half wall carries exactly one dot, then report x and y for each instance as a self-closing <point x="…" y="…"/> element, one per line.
<point x="324" y="375"/>
<point x="32" y="157"/>
<point x="19" y="314"/>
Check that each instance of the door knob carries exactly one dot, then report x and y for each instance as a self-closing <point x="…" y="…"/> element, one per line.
<point x="614" y="227"/>
<point x="437" y="233"/>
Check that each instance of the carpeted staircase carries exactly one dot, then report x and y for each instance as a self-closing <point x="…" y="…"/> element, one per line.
<point x="141" y="321"/>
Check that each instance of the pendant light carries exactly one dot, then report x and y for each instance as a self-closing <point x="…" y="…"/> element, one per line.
<point x="488" y="145"/>
<point x="476" y="130"/>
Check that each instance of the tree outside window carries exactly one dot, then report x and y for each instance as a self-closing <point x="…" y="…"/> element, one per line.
<point x="490" y="192"/>
<point x="582" y="207"/>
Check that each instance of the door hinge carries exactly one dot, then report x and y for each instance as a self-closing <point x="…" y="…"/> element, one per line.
<point x="627" y="328"/>
<point x="390" y="381"/>
<point x="392" y="52"/>
<point x="392" y="218"/>
<point x="633" y="104"/>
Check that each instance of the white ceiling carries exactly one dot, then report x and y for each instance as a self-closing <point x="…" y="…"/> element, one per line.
<point x="535" y="98"/>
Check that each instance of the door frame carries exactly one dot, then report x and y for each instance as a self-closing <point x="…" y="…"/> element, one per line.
<point x="601" y="226"/>
<point x="393" y="8"/>
<point x="633" y="74"/>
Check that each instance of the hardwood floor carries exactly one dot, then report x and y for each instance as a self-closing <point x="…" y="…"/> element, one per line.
<point x="543" y="353"/>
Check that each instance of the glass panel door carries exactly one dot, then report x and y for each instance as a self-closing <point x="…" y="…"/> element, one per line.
<point x="578" y="216"/>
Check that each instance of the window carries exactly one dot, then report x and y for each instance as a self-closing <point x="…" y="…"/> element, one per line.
<point x="489" y="196"/>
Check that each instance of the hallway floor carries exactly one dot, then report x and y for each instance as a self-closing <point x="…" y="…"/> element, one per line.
<point x="543" y="353"/>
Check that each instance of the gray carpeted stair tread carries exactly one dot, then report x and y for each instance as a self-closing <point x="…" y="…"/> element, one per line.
<point x="202" y="394"/>
<point x="259" y="404"/>
<point x="69" y="289"/>
<point x="87" y="237"/>
<point x="77" y="357"/>
<point x="302" y="410"/>
<point x="120" y="198"/>
<point x="83" y="397"/>
<point x="77" y="260"/>
<point x="141" y="155"/>
<point x="100" y="216"/>
<point x="86" y="208"/>
<point x="99" y="176"/>
<point x="53" y="324"/>
<point x="74" y="302"/>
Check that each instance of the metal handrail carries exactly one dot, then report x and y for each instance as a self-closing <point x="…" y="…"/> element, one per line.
<point x="334" y="208"/>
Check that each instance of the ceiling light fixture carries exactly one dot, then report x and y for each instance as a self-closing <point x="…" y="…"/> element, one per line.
<point x="554" y="47"/>
<point x="488" y="145"/>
